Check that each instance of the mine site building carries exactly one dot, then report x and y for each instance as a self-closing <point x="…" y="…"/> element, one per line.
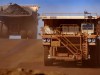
<point x="71" y="37"/>
<point x="18" y="21"/>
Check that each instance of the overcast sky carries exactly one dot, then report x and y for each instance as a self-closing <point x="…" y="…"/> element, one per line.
<point x="60" y="5"/>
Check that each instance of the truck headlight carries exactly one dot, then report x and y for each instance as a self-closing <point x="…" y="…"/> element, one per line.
<point x="89" y="40"/>
<point x="48" y="40"/>
<point x="93" y="40"/>
<point x="44" y="40"/>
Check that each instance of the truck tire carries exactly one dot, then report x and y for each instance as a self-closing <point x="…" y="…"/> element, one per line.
<point x="4" y="31"/>
<point x="47" y="62"/>
<point x="30" y="34"/>
<point x="23" y="34"/>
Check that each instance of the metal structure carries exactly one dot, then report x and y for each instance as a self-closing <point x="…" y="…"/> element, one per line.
<point x="69" y="38"/>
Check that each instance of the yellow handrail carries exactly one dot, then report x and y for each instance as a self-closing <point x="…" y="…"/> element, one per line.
<point x="66" y="46"/>
<point x="71" y="45"/>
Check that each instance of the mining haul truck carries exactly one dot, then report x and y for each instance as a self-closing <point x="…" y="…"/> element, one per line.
<point x="70" y="38"/>
<point x="18" y="20"/>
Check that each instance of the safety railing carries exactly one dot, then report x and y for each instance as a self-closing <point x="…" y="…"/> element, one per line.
<point x="68" y="14"/>
<point x="69" y="30"/>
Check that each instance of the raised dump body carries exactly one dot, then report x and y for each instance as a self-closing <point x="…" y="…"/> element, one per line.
<point x="69" y="38"/>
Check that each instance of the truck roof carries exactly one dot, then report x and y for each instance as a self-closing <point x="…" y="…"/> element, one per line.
<point x="69" y="16"/>
<point x="66" y="17"/>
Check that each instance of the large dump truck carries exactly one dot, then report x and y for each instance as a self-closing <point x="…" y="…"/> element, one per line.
<point x="18" y="20"/>
<point x="70" y="38"/>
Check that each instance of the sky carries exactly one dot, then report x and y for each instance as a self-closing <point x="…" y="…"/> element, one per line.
<point x="61" y="6"/>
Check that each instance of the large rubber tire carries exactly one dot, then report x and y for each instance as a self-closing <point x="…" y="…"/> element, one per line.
<point x="30" y="34"/>
<point x="23" y="34"/>
<point x="47" y="62"/>
<point x="4" y="31"/>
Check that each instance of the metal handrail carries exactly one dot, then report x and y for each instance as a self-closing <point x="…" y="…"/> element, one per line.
<point x="78" y="31"/>
<point x="44" y="14"/>
<point x="71" y="43"/>
<point x="66" y="46"/>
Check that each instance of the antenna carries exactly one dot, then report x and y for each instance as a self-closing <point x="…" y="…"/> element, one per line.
<point x="87" y="15"/>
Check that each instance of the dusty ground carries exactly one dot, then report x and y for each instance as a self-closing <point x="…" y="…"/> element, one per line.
<point x="28" y="54"/>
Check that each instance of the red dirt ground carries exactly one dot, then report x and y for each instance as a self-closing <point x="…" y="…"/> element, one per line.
<point x="28" y="54"/>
